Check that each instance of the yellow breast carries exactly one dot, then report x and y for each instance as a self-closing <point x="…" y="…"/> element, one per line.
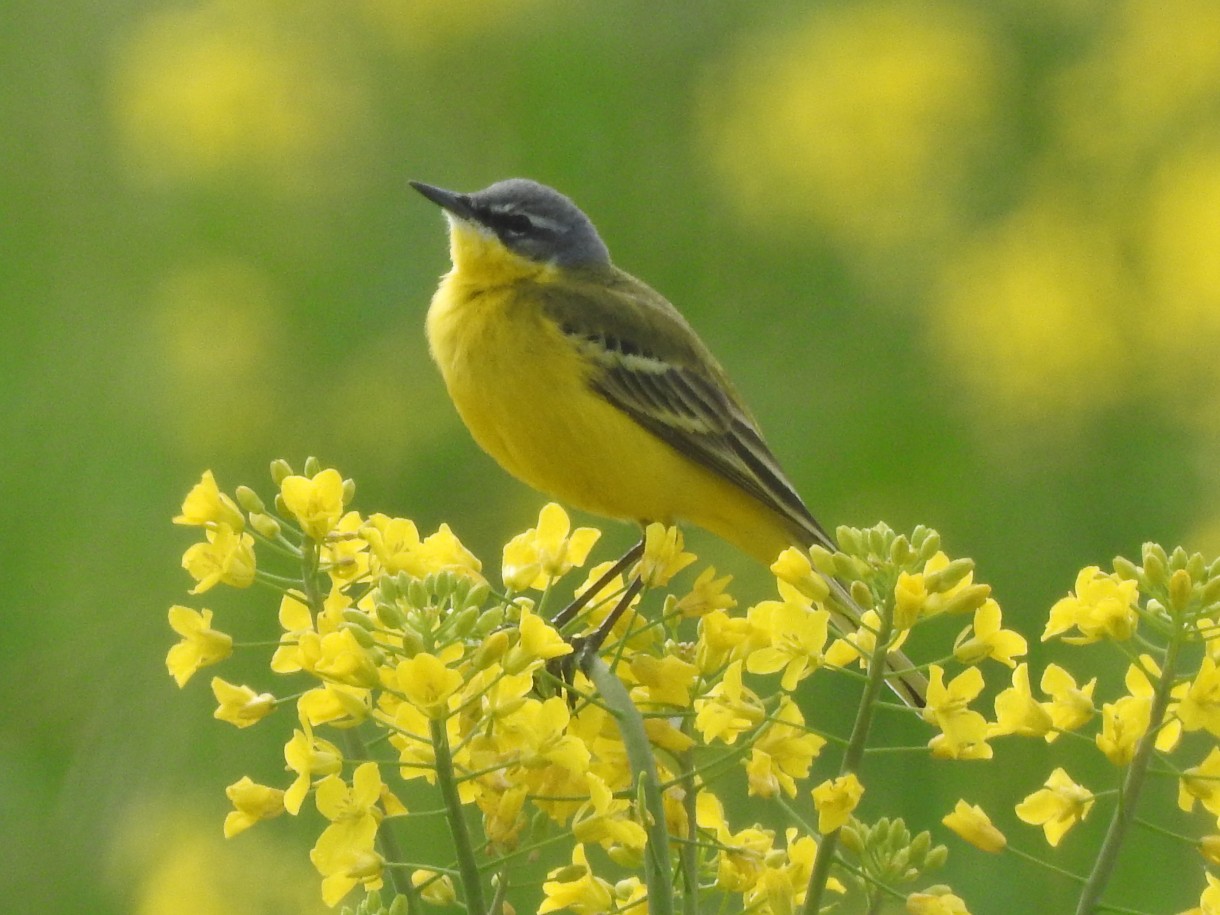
<point x="522" y="389"/>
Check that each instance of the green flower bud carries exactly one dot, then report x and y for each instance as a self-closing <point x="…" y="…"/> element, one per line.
<point x="265" y="525"/>
<point x="1125" y="568"/>
<point x="968" y="599"/>
<point x="1211" y="592"/>
<point x="879" y="540"/>
<point x="464" y="620"/>
<point x="490" y="620"/>
<point x="477" y="595"/>
<point x="390" y="616"/>
<point x="919" y="847"/>
<point x="1197" y="567"/>
<point x="491" y="651"/>
<point x="861" y="595"/>
<point x="1178" y="558"/>
<point x="281" y="507"/>
<point x="851" y="839"/>
<point x="950" y="575"/>
<point x="849" y="540"/>
<point x="248" y="499"/>
<point x="936" y="858"/>
<point x="280" y="469"/>
<point x="1181" y="589"/>
<point x="398" y="906"/>
<point x="823" y="560"/>
<point x="313" y="466"/>
<point x="1155" y="563"/>
<point x="349" y="490"/>
<point x="362" y="635"/>
<point x="358" y="617"/>
<point x="901" y="552"/>
<point x="412" y="644"/>
<point x="929" y="545"/>
<point x="461" y="587"/>
<point x="417" y="594"/>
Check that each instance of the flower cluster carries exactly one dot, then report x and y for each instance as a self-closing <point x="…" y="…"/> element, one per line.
<point x="1162" y="617"/>
<point x="408" y="664"/>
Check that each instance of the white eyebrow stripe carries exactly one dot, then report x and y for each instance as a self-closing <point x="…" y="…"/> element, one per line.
<point x="536" y="219"/>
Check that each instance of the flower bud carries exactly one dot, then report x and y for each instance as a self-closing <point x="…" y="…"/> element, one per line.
<point x="313" y="466"/>
<point x="1180" y="590"/>
<point x="280" y="470"/>
<point x="362" y="636"/>
<point x="265" y="525"/>
<point x="358" y="618"/>
<point x="948" y="577"/>
<point x="248" y="499"/>
<point x="389" y="615"/>
<point x="1155" y="565"/>
<point x="491" y="651"/>
<point x="901" y="553"/>
<point x="349" y="491"/>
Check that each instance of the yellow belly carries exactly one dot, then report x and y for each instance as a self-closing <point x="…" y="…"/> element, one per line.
<point x="522" y="391"/>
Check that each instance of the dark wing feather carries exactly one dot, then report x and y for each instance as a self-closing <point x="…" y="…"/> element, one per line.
<point x="679" y="394"/>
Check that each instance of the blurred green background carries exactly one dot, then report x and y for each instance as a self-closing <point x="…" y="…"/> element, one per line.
<point x="960" y="257"/>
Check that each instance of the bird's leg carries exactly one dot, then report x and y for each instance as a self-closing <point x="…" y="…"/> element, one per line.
<point x="564" y="668"/>
<point x="568" y="613"/>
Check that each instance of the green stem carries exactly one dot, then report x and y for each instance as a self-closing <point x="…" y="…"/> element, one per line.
<point x="689" y="851"/>
<point x="1133" y="782"/>
<point x="472" y="886"/>
<point x="658" y="875"/>
<point x="851" y="759"/>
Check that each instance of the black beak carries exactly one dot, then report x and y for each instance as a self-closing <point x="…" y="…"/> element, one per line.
<point x="451" y="201"/>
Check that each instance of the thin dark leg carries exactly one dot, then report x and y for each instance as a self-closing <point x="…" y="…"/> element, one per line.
<point x="568" y="613"/>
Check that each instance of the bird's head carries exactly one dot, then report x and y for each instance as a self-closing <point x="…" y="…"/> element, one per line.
<point x="517" y="220"/>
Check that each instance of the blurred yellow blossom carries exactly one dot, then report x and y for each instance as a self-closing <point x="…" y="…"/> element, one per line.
<point x="963" y="731"/>
<point x="1058" y="806"/>
<point x="1201" y="783"/>
<point x="985" y="639"/>
<point x="240" y="705"/>
<point x="226" y="558"/>
<point x="206" y="504"/>
<point x="1070" y="706"/>
<point x="972" y="824"/>
<point x="540" y="555"/>
<point x="316" y="502"/>
<point x="663" y="556"/>
<point x="835" y="799"/>
<point x="251" y="803"/>
<point x="1102" y="606"/>
<point x="201" y="645"/>
<point x="1016" y="710"/>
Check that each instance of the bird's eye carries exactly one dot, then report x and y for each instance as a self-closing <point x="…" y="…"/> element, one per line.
<point x="514" y="223"/>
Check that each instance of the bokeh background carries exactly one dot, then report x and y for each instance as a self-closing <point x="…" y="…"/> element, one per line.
<point x="960" y="257"/>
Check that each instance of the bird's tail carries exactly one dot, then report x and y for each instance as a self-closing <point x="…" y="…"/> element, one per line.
<point x="901" y="675"/>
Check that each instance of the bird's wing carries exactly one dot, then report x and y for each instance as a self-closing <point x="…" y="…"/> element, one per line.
<point x="647" y="362"/>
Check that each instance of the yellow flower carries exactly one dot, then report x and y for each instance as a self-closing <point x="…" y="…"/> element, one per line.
<point x="1123" y="723"/>
<point x="240" y="705"/>
<point x="936" y="903"/>
<point x="1070" y="706"/>
<point x="663" y="556"/>
<point x="609" y="822"/>
<point x="795" y="633"/>
<point x="427" y="683"/>
<point x="705" y="595"/>
<point x="226" y="558"/>
<point x="251" y="803"/>
<point x="206" y="504"/>
<point x="539" y="643"/>
<point x="201" y="645"/>
<point x="338" y="657"/>
<point x="1200" y="707"/>
<point x="443" y="552"/>
<point x="835" y="800"/>
<point x="316" y="502"/>
<point x="1056" y="807"/>
<point x="963" y="732"/>
<point x="1202" y="782"/>
<point x="575" y="887"/>
<point x="861" y="644"/>
<point x="728" y="709"/>
<point x="337" y="802"/>
<point x="1209" y="901"/>
<point x="1016" y="710"/>
<point x="666" y="681"/>
<point x="540" y="555"/>
<point x="344" y="855"/>
<point x="1209" y="848"/>
<point x="910" y="599"/>
<point x="742" y="858"/>
<point x="794" y="567"/>
<point x="308" y="756"/>
<point x="782" y="752"/>
<point x="540" y="734"/>
<point x="1139" y="685"/>
<point x="331" y="703"/>
<point x="722" y="638"/>
<point x="988" y="640"/>
<point x="434" y="888"/>
<point x="972" y="824"/>
<point x="1103" y="606"/>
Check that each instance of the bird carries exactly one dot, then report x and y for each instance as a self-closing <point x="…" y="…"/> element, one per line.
<point x="591" y="387"/>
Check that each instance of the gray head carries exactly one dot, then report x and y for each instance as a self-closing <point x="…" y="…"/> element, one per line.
<point x="530" y="219"/>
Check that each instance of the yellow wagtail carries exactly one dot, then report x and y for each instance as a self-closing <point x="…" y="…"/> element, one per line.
<point x="589" y="386"/>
